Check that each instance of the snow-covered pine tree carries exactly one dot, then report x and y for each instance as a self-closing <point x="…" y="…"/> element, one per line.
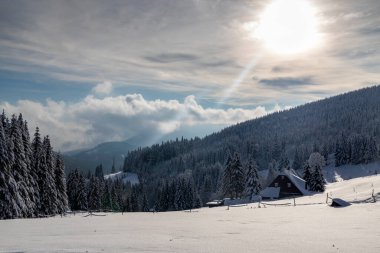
<point x="32" y="176"/>
<point x="316" y="162"/>
<point x="20" y="169"/>
<point x="135" y="207"/>
<point x="48" y="196"/>
<point x="94" y="194"/>
<point x="81" y="200"/>
<point x="189" y="195"/>
<point x="227" y="188"/>
<point x="106" y="196"/>
<point x="117" y="195"/>
<point x="252" y="184"/>
<point x="9" y="207"/>
<point x="36" y="167"/>
<point x="318" y="181"/>
<point x="237" y="177"/>
<point x="307" y="175"/>
<point x="60" y="184"/>
<point x="179" y="194"/>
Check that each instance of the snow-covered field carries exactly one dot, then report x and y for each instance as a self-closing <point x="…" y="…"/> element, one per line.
<point x="303" y="228"/>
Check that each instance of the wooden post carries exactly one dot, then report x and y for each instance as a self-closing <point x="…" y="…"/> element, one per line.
<point x="327" y="198"/>
<point x="294" y="201"/>
<point x="373" y="196"/>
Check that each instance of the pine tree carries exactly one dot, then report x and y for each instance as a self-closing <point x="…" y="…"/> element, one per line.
<point x="106" y="196"/>
<point x="94" y="194"/>
<point x="317" y="182"/>
<point x="99" y="171"/>
<point x="36" y="167"/>
<point x="227" y="178"/>
<point x="238" y="176"/>
<point x="189" y="195"/>
<point x="32" y="176"/>
<point x="9" y="207"/>
<point x="81" y="196"/>
<point x="252" y="185"/>
<point x="60" y="184"/>
<point x="179" y="195"/>
<point x="19" y="168"/>
<point x="307" y="175"/>
<point x="48" y="196"/>
<point x="134" y="200"/>
<point x="145" y="205"/>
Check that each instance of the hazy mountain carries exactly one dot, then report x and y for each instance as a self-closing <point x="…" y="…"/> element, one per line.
<point x="105" y="153"/>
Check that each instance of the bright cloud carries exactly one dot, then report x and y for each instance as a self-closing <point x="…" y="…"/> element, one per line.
<point x="103" y="88"/>
<point x="95" y="120"/>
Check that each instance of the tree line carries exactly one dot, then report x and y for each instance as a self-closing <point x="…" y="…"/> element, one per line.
<point x="32" y="177"/>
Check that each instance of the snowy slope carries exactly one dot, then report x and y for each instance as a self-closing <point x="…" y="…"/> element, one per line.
<point x="346" y="172"/>
<point x="125" y="176"/>
<point x="306" y="227"/>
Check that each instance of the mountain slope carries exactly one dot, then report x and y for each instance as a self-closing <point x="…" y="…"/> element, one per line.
<point x="104" y="153"/>
<point x="297" y="132"/>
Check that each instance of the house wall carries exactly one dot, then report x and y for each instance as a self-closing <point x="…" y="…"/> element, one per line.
<point x="285" y="190"/>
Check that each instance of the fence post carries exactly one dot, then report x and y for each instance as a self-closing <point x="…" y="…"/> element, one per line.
<point x="294" y="201"/>
<point x="327" y="198"/>
<point x="373" y="196"/>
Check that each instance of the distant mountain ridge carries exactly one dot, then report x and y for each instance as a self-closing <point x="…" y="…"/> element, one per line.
<point x="105" y="153"/>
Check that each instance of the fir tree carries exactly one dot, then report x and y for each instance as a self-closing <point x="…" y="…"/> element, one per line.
<point x="19" y="168"/>
<point x="145" y="205"/>
<point x="252" y="185"/>
<point x="227" y="178"/>
<point x="60" y="183"/>
<point x="238" y="177"/>
<point x="317" y="182"/>
<point x="307" y="175"/>
<point x="48" y="196"/>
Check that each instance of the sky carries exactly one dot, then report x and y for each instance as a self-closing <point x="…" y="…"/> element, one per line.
<point x="88" y="72"/>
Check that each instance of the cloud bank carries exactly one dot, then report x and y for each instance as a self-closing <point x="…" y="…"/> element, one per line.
<point x="94" y="120"/>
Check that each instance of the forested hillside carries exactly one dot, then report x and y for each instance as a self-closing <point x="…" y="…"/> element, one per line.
<point x="347" y="125"/>
<point x="32" y="177"/>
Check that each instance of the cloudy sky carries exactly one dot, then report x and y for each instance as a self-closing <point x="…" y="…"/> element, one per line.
<point x="93" y="71"/>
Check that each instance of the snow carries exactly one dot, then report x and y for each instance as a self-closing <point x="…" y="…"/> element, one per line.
<point x="310" y="226"/>
<point x="346" y="172"/>
<point x="125" y="176"/>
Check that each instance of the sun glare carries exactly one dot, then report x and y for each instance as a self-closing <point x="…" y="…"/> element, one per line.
<point x="288" y="27"/>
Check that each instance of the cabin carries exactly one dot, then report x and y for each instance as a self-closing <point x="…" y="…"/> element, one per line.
<point x="287" y="184"/>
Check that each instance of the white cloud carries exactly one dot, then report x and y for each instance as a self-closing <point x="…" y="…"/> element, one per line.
<point x="103" y="88"/>
<point x="95" y="120"/>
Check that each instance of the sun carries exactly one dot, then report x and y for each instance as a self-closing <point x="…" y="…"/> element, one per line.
<point x="288" y="27"/>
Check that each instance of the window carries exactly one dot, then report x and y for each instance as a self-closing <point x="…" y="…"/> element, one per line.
<point x="289" y="185"/>
<point x="275" y="184"/>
